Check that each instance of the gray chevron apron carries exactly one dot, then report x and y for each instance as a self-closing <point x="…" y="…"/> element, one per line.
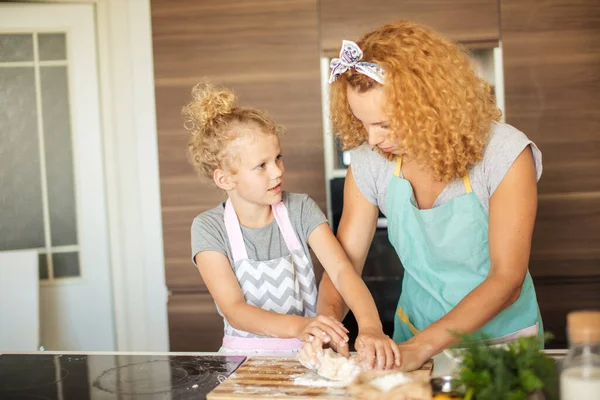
<point x="284" y="285"/>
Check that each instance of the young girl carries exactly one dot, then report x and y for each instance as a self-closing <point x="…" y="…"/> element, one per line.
<point x="252" y="250"/>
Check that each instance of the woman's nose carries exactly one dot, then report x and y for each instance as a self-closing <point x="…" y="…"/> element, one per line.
<point x="374" y="137"/>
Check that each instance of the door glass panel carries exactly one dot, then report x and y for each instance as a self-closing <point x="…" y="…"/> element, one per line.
<point x="52" y="46"/>
<point x="59" y="156"/>
<point x="21" y="218"/>
<point x="43" y="266"/>
<point x="66" y="265"/>
<point x="16" y="48"/>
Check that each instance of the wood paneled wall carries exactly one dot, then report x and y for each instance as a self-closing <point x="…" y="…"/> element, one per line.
<point x="551" y="55"/>
<point x="465" y="21"/>
<point x="268" y="52"/>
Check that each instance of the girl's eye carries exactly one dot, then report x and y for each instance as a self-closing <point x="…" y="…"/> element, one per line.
<point x="261" y="166"/>
<point x="279" y="157"/>
<point x="385" y="127"/>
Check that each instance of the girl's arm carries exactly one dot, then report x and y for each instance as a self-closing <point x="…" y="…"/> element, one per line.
<point x="355" y="234"/>
<point x="224" y="288"/>
<point x="511" y="219"/>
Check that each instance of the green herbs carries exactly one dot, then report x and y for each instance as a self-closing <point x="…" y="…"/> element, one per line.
<point x="506" y="372"/>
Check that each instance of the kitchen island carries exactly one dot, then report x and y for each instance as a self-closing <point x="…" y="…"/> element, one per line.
<point x="131" y="375"/>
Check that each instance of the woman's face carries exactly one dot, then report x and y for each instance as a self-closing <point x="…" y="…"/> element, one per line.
<point x="368" y="108"/>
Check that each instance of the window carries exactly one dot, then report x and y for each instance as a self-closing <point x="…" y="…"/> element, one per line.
<point x="37" y="184"/>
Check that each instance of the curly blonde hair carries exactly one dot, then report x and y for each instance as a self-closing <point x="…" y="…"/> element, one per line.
<point x="440" y="111"/>
<point x="214" y="120"/>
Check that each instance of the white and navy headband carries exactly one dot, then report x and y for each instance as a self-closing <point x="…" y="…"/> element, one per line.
<point x="350" y="54"/>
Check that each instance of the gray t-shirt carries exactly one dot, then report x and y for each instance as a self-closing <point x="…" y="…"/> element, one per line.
<point x="262" y="244"/>
<point x="372" y="172"/>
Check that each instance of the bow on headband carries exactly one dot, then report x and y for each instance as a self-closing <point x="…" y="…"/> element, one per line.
<point x="350" y="54"/>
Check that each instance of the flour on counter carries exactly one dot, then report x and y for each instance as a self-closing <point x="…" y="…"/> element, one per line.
<point x="312" y="379"/>
<point x="263" y="393"/>
<point x="388" y="382"/>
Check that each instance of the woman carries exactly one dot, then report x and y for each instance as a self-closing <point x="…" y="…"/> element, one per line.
<point x="458" y="189"/>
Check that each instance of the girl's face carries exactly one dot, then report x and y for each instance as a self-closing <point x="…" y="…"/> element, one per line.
<point x="368" y="108"/>
<point x="258" y="175"/>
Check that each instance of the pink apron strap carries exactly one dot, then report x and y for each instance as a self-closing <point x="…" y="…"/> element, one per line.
<point x="234" y="232"/>
<point x="260" y="344"/>
<point x="285" y="226"/>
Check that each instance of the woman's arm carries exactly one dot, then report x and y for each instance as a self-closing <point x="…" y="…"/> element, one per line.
<point x="342" y="270"/>
<point x="225" y="290"/>
<point x="511" y="219"/>
<point x="355" y="234"/>
<point x="344" y="277"/>
<point x="374" y="347"/>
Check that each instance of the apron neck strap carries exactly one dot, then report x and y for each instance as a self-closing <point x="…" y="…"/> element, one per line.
<point x="236" y="239"/>
<point x="285" y="226"/>
<point x="234" y="233"/>
<point x="467" y="183"/>
<point x="398" y="169"/>
<point x="398" y="174"/>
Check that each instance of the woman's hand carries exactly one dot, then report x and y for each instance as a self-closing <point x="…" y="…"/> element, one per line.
<point x="414" y="354"/>
<point x="377" y="350"/>
<point x="322" y="329"/>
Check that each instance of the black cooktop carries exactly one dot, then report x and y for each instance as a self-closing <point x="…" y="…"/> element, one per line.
<point x="123" y="377"/>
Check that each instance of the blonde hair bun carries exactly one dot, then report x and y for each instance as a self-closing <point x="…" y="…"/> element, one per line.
<point x="214" y="120"/>
<point x="209" y="105"/>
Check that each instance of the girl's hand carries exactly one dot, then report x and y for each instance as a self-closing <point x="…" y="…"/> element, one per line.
<point x="377" y="350"/>
<point x="326" y="329"/>
<point x="310" y="353"/>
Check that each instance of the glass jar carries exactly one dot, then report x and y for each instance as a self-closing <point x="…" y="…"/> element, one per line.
<point x="580" y="376"/>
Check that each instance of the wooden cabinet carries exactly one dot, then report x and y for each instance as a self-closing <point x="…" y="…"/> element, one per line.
<point x="194" y="324"/>
<point x="558" y="295"/>
<point x="461" y="20"/>
<point x="552" y="84"/>
<point x="268" y="53"/>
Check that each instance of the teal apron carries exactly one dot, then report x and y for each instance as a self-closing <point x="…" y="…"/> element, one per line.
<point x="445" y="255"/>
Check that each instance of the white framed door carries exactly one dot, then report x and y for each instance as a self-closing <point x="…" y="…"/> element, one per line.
<point x="52" y="183"/>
